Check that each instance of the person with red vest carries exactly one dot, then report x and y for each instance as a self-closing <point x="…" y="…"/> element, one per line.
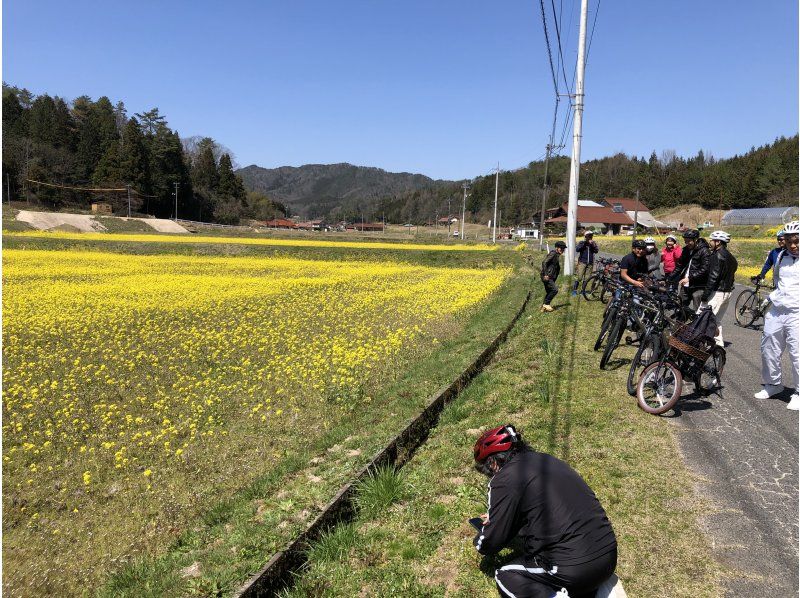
<point x="670" y="254"/>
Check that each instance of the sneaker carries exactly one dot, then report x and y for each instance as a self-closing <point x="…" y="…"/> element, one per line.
<point x="794" y="402"/>
<point x="574" y="293"/>
<point x="768" y="391"/>
<point x="547" y="308"/>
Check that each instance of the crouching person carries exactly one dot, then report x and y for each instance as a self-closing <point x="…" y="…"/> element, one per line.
<point x="568" y="541"/>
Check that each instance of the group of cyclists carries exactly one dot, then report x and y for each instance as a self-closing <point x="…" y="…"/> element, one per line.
<point x="663" y="294"/>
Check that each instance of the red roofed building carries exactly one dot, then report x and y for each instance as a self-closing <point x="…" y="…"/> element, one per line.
<point x="280" y="223"/>
<point x="605" y="218"/>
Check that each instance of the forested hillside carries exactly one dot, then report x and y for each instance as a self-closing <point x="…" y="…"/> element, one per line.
<point x="764" y="176"/>
<point x="95" y="144"/>
<point x="321" y="189"/>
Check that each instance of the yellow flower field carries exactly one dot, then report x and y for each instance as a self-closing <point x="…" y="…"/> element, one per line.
<point x="134" y="238"/>
<point x="126" y="379"/>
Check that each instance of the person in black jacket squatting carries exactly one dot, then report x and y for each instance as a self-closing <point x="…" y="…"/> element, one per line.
<point x="551" y="268"/>
<point x="569" y="544"/>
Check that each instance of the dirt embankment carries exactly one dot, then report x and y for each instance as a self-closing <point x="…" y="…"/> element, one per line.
<point x="88" y="224"/>
<point x="691" y="215"/>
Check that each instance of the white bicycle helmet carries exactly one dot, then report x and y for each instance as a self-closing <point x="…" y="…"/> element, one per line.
<point x="720" y="235"/>
<point x="673" y="237"/>
<point x="781" y="233"/>
<point x="649" y="241"/>
<point x="793" y="228"/>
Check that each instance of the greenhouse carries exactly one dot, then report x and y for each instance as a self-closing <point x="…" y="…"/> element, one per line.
<point x="766" y="216"/>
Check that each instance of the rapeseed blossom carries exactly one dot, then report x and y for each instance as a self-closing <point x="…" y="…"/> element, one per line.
<point x="124" y="371"/>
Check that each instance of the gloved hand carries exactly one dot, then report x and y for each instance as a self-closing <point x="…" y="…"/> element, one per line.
<point x="703" y="305"/>
<point x="755" y="278"/>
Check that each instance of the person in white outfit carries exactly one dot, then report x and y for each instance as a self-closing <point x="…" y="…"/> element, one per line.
<point x="782" y="321"/>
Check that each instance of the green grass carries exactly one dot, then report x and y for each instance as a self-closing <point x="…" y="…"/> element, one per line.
<point x="381" y="488"/>
<point x="545" y="380"/>
<point x="121" y="225"/>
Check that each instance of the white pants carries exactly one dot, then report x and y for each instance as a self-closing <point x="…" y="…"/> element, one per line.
<point x="719" y="304"/>
<point x="780" y="332"/>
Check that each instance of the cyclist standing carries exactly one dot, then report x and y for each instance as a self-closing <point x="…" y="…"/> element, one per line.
<point x="551" y="268"/>
<point x="670" y="254"/>
<point x="633" y="267"/>
<point x="782" y="320"/>
<point x="568" y="541"/>
<point x="585" y="250"/>
<point x="719" y="285"/>
<point x="692" y="268"/>
<point x="653" y="258"/>
<point x="770" y="262"/>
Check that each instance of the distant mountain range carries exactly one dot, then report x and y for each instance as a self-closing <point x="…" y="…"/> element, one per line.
<point x="319" y="189"/>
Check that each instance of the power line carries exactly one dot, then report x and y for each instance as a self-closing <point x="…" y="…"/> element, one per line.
<point x="71" y="188"/>
<point x="549" y="51"/>
<point x="558" y="39"/>
<point x="591" y="35"/>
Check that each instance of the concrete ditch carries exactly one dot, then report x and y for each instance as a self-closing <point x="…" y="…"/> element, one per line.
<point x="277" y="573"/>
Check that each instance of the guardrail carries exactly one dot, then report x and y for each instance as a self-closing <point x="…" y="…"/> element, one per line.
<point x="277" y="573"/>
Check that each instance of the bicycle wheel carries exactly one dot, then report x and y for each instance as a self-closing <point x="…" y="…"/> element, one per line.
<point x="747" y="308"/>
<point x="648" y="352"/>
<point x="605" y="294"/>
<point x="591" y="288"/>
<point x="604" y="327"/>
<point x="659" y="387"/>
<point x="613" y="341"/>
<point x="710" y="377"/>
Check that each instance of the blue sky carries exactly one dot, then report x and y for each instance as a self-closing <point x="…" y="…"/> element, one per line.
<point x="443" y="88"/>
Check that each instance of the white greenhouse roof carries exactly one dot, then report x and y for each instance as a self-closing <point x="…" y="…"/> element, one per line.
<point x="778" y="215"/>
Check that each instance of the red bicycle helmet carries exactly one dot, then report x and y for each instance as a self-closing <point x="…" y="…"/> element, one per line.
<point x="496" y="440"/>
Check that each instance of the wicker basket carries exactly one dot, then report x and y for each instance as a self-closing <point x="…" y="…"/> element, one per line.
<point x="685" y="340"/>
<point x="695" y="352"/>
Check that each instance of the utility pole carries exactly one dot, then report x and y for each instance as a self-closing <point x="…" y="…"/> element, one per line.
<point x="574" y="173"/>
<point x="494" y="219"/>
<point x="464" y="209"/>
<point x="129" y="200"/>
<point x="176" y="201"/>
<point x="449" y="217"/>
<point x="548" y="150"/>
<point x="636" y="214"/>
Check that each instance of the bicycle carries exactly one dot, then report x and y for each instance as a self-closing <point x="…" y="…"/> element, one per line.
<point x="698" y="359"/>
<point x="751" y="305"/>
<point x="663" y="311"/>
<point x="597" y="285"/>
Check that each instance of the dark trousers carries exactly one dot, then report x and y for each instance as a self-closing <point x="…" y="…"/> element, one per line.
<point x="550" y="291"/>
<point x="525" y="579"/>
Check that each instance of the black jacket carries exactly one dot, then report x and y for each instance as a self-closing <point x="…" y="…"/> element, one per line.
<point x="545" y="501"/>
<point x="721" y="268"/>
<point x="586" y="251"/>
<point x="551" y="266"/>
<point x="698" y="270"/>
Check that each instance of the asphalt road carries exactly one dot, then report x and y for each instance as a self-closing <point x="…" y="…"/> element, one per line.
<point x="745" y="453"/>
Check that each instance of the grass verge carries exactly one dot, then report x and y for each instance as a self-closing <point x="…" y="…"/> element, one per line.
<point x="545" y="380"/>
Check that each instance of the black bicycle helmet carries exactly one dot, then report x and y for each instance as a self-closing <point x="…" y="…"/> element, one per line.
<point x="691" y="234"/>
<point x="561" y="244"/>
<point x="638" y="244"/>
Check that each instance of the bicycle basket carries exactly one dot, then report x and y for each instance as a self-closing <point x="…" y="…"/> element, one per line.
<point x="686" y="340"/>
